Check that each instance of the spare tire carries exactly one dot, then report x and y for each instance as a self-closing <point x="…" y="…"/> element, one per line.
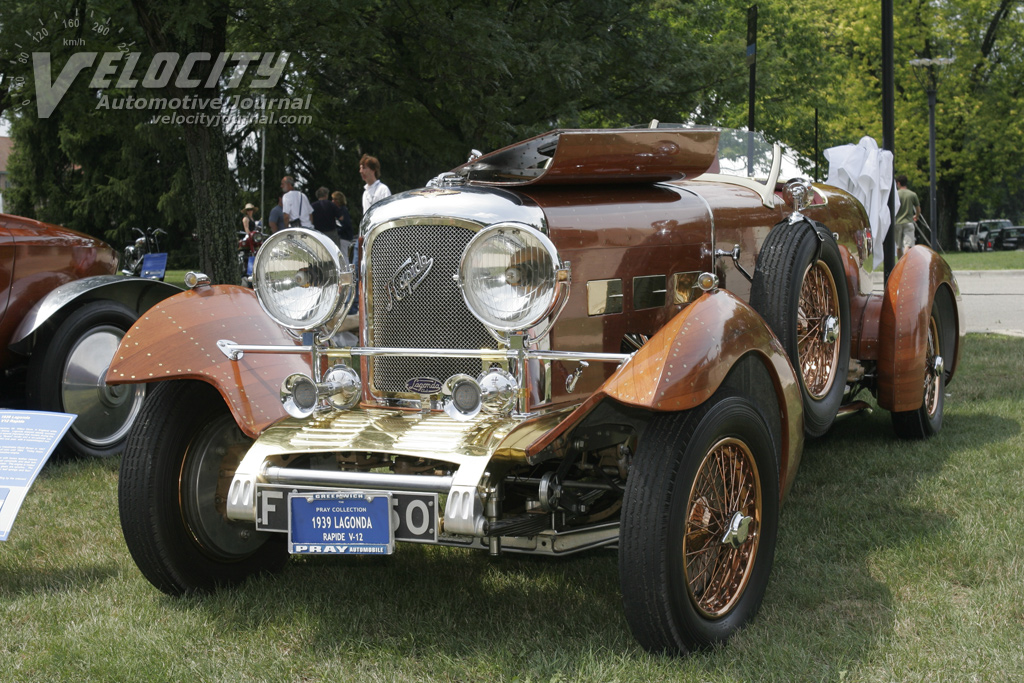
<point x="799" y="288"/>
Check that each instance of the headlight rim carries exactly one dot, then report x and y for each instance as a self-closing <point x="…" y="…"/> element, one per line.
<point x="556" y="266"/>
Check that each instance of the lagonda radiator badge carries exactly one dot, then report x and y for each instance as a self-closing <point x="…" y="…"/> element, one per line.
<point x="424" y="385"/>
<point x="407" y="278"/>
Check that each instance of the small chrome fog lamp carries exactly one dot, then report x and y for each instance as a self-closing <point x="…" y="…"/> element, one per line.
<point x="498" y="390"/>
<point x="461" y="397"/>
<point x="342" y="387"/>
<point x="194" y="279"/>
<point x="707" y="281"/>
<point x="299" y="395"/>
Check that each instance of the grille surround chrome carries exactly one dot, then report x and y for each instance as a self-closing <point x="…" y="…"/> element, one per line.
<point x="434" y="315"/>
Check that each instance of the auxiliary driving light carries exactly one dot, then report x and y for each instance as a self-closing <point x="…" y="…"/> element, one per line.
<point x="461" y="397"/>
<point x="299" y="395"/>
<point x="342" y="387"/>
<point x="498" y="391"/>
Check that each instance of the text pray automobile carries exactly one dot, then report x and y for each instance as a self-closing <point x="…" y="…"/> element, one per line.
<point x="589" y="338"/>
<point x="63" y="312"/>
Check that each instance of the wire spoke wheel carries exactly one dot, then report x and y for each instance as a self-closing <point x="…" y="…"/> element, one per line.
<point x="722" y="523"/>
<point x="699" y="524"/>
<point x="939" y="348"/>
<point x="818" y="330"/>
<point x="932" y="374"/>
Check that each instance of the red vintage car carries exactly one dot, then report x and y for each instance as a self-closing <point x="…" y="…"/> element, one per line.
<point x="62" y="315"/>
<point x="589" y="338"/>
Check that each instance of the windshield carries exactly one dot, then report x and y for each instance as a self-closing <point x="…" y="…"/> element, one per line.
<point x="745" y="154"/>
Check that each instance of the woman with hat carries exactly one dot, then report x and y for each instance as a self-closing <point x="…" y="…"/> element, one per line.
<point x="248" y="222"/>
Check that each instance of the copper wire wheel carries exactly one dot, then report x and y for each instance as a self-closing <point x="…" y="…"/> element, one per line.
<point x="727" y="485"/>
<point x="819" y="304"/>
<point x="932" y="379"/>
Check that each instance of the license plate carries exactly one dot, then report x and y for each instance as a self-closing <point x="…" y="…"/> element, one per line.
<point x="413" y="515"/>
<point x="340" y="523"/>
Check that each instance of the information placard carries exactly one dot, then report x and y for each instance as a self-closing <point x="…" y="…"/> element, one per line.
<point x="27" y="438"/>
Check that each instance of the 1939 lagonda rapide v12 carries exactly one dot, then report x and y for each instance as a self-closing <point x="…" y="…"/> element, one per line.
<point x="589" y="338"/>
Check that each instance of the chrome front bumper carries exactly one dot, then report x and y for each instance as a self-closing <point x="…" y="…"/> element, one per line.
<point x="471" y="446"/>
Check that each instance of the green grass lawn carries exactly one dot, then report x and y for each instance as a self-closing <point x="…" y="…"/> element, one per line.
<point x="988" y="260"/>
<point x="896" y="562"/>
<point x="175" y="277"/>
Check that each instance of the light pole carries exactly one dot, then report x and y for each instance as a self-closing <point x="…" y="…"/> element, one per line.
<point x="931" y="88"/>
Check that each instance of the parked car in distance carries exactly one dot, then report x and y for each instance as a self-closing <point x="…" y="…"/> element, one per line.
<point x="63" y="312"/>
<point x="987" y="230"/>
<point x="992" y="237"/>
<point x="1009" y="239"/>
<point x="967" y="236"/>
<point x="591" y="338"/>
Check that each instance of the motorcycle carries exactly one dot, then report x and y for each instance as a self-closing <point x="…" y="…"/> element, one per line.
<point x="134" y="253"/>
<point x="248" y="245"/>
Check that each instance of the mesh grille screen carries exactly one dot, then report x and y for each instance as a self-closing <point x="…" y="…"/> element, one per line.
<point x="432" y="316"/>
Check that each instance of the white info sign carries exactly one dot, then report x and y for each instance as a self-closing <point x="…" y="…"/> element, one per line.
<point x="27" y="438"/>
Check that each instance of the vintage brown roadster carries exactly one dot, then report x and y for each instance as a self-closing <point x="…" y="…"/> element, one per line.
<point x="589" y="338"/>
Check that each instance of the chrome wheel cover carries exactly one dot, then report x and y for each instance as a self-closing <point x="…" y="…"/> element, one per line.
<point x="105" y="413"/>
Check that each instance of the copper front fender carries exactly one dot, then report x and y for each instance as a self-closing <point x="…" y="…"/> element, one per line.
<point x="177" y="339"/>
<point x="913" y="285"/>
<point x="683" y="365"/>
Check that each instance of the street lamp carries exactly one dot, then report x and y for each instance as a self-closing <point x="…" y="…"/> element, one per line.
<point x="931" y="86"/>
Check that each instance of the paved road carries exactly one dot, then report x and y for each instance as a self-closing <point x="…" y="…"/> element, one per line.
<point x="993" y="300"/>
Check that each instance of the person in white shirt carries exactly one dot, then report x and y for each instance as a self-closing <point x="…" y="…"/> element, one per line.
<point x="374" y="190"/>
<point x="295" y="205"/>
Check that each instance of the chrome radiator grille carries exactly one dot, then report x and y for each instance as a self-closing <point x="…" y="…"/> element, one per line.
<point x="433" y="315"/>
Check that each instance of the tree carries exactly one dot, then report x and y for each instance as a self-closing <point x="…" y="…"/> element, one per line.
<point x="188" y="27"/>
<point x="829" y="55"/>
<point x="96" y="171"/>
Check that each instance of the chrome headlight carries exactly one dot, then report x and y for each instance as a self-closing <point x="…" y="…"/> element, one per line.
<point x="298" y="280"/>
<point x="509" y="275"/>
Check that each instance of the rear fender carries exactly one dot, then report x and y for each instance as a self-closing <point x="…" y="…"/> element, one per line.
<point x="177" y="339"/>
<point x="683" y="365"/>
<point x="920" y="279"/>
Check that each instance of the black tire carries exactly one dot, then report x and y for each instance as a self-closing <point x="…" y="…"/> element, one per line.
<point x="926" y="421"/>
<point x="670" y="504"/>
<point x="178" y="462"/>
<point x="805" y="302"/>
<point x="66" y="374"/>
